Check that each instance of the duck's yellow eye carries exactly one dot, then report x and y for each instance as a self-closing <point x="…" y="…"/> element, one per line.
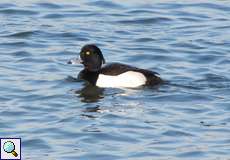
<point x="87" y="53"/>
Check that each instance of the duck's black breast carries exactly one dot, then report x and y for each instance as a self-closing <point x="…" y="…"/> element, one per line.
<point x="115" y="69"/>
<point x="91" y="77"/>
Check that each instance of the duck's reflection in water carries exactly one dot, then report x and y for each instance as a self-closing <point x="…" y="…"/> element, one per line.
<point x="91" y="112"/>
<point x="90" y="93"/>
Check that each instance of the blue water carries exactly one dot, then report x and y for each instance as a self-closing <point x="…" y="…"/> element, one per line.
<point x="187" y="42"/>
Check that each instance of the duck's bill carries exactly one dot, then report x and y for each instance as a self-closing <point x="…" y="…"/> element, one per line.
<point x="75" y="61"/>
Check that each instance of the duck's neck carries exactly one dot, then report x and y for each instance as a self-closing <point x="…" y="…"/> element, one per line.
<point x="90" y="76"/>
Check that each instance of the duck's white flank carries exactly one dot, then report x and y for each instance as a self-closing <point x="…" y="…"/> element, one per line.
<point x="128" y="79"/>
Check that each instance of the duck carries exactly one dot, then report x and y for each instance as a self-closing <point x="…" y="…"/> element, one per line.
<point x="112" y="75"/>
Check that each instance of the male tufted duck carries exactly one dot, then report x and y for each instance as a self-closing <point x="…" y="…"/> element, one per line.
<point x="115" y="75"/>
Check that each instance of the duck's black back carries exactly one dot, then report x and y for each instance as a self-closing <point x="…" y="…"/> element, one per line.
<point x="115" y="69"/>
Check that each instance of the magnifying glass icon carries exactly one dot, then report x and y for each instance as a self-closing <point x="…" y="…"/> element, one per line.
<point x="9" y="147"/>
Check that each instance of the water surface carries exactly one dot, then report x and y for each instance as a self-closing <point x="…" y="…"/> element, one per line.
<point x="58" y="118"/>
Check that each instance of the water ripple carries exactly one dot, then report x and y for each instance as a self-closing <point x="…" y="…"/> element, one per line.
<point x="105" y="4"/>
<point x="24" y="34"/>
<point x="146" y="21"/>
<point x="18" y="12"/>
<point x="49" y="5"/>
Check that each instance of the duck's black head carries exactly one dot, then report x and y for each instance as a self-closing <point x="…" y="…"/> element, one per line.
<point x="91" y="57"/>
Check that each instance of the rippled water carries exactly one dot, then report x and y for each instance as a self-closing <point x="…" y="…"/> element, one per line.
<point x="187" y="42"/>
